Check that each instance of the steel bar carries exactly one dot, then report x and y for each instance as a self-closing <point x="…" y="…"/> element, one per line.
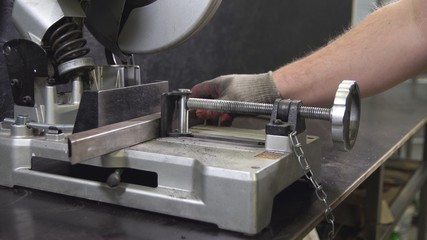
<point x="99" y="141"/>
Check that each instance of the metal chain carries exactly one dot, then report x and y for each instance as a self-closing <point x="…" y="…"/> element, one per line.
<point x="320" y="193"/>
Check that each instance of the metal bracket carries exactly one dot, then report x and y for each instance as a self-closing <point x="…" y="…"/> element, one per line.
<point x="25" y="61"/>
<point x="170" y="101"/>
<point x="285" y="118"/>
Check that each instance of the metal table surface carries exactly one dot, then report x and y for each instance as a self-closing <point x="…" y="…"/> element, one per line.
<point x="388" y="121"/>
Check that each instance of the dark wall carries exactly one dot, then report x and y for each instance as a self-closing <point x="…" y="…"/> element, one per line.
<point x="250" y="36"/>
<point x="244" y="36"/>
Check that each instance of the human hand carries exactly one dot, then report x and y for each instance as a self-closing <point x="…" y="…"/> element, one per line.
<point x="236" y="87"/>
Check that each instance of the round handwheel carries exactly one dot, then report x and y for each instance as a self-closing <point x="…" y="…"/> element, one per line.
<point x="345" y="115"/>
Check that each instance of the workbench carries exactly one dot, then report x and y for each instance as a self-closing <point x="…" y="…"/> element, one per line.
<point x="388" y="121"/>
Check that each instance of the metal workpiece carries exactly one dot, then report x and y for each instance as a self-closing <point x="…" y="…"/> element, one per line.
<point x="92" y="143"/>
<point x="344" y="115"/>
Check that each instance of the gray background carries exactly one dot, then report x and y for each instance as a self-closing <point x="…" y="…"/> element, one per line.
<point x="244" y="36"/>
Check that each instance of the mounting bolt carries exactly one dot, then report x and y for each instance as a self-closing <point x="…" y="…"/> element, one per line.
<point x="7" y="50"/>
<point x="26" y="99"/>
<point x="22" y="119"/>
<point x="14" y="82"/>
<point x="115" y="178"/>
<point x="277" y="122"/>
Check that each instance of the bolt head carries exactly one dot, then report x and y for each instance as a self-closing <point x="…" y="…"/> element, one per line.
<point x="26" y="99"/>
<point x="14" y="82"/>
<point x="184" y="91"/>
<point x="22" y="119"/>
<point x="7" y="50"/>
<point x="278" y="122"/>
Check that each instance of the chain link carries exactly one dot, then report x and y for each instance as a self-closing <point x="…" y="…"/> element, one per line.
<point x="320" y="193"/>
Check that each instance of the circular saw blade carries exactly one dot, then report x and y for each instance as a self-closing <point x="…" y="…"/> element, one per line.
<point x="163" y="24"/>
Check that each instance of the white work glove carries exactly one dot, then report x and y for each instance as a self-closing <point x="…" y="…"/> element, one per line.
<point x="236" y="87"/>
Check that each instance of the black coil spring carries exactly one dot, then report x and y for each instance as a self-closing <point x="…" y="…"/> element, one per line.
<point x="67" y="42"/>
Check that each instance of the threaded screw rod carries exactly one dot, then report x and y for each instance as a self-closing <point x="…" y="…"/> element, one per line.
<point x="253" y="108"/>
<point x="316" y="113"/>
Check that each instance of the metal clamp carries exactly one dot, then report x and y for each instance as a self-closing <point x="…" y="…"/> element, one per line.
<point x="344" y="115"/>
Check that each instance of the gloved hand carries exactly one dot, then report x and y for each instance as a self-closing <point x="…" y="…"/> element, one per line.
<point x="237" y="87"/>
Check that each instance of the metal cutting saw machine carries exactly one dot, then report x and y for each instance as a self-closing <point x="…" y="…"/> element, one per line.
<point x="102" y="133"/>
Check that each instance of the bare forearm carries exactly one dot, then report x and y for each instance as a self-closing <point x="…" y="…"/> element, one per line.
<point x="386" y="48"/>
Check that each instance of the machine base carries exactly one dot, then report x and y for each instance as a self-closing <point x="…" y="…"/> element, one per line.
<point x="212" y="177"/>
